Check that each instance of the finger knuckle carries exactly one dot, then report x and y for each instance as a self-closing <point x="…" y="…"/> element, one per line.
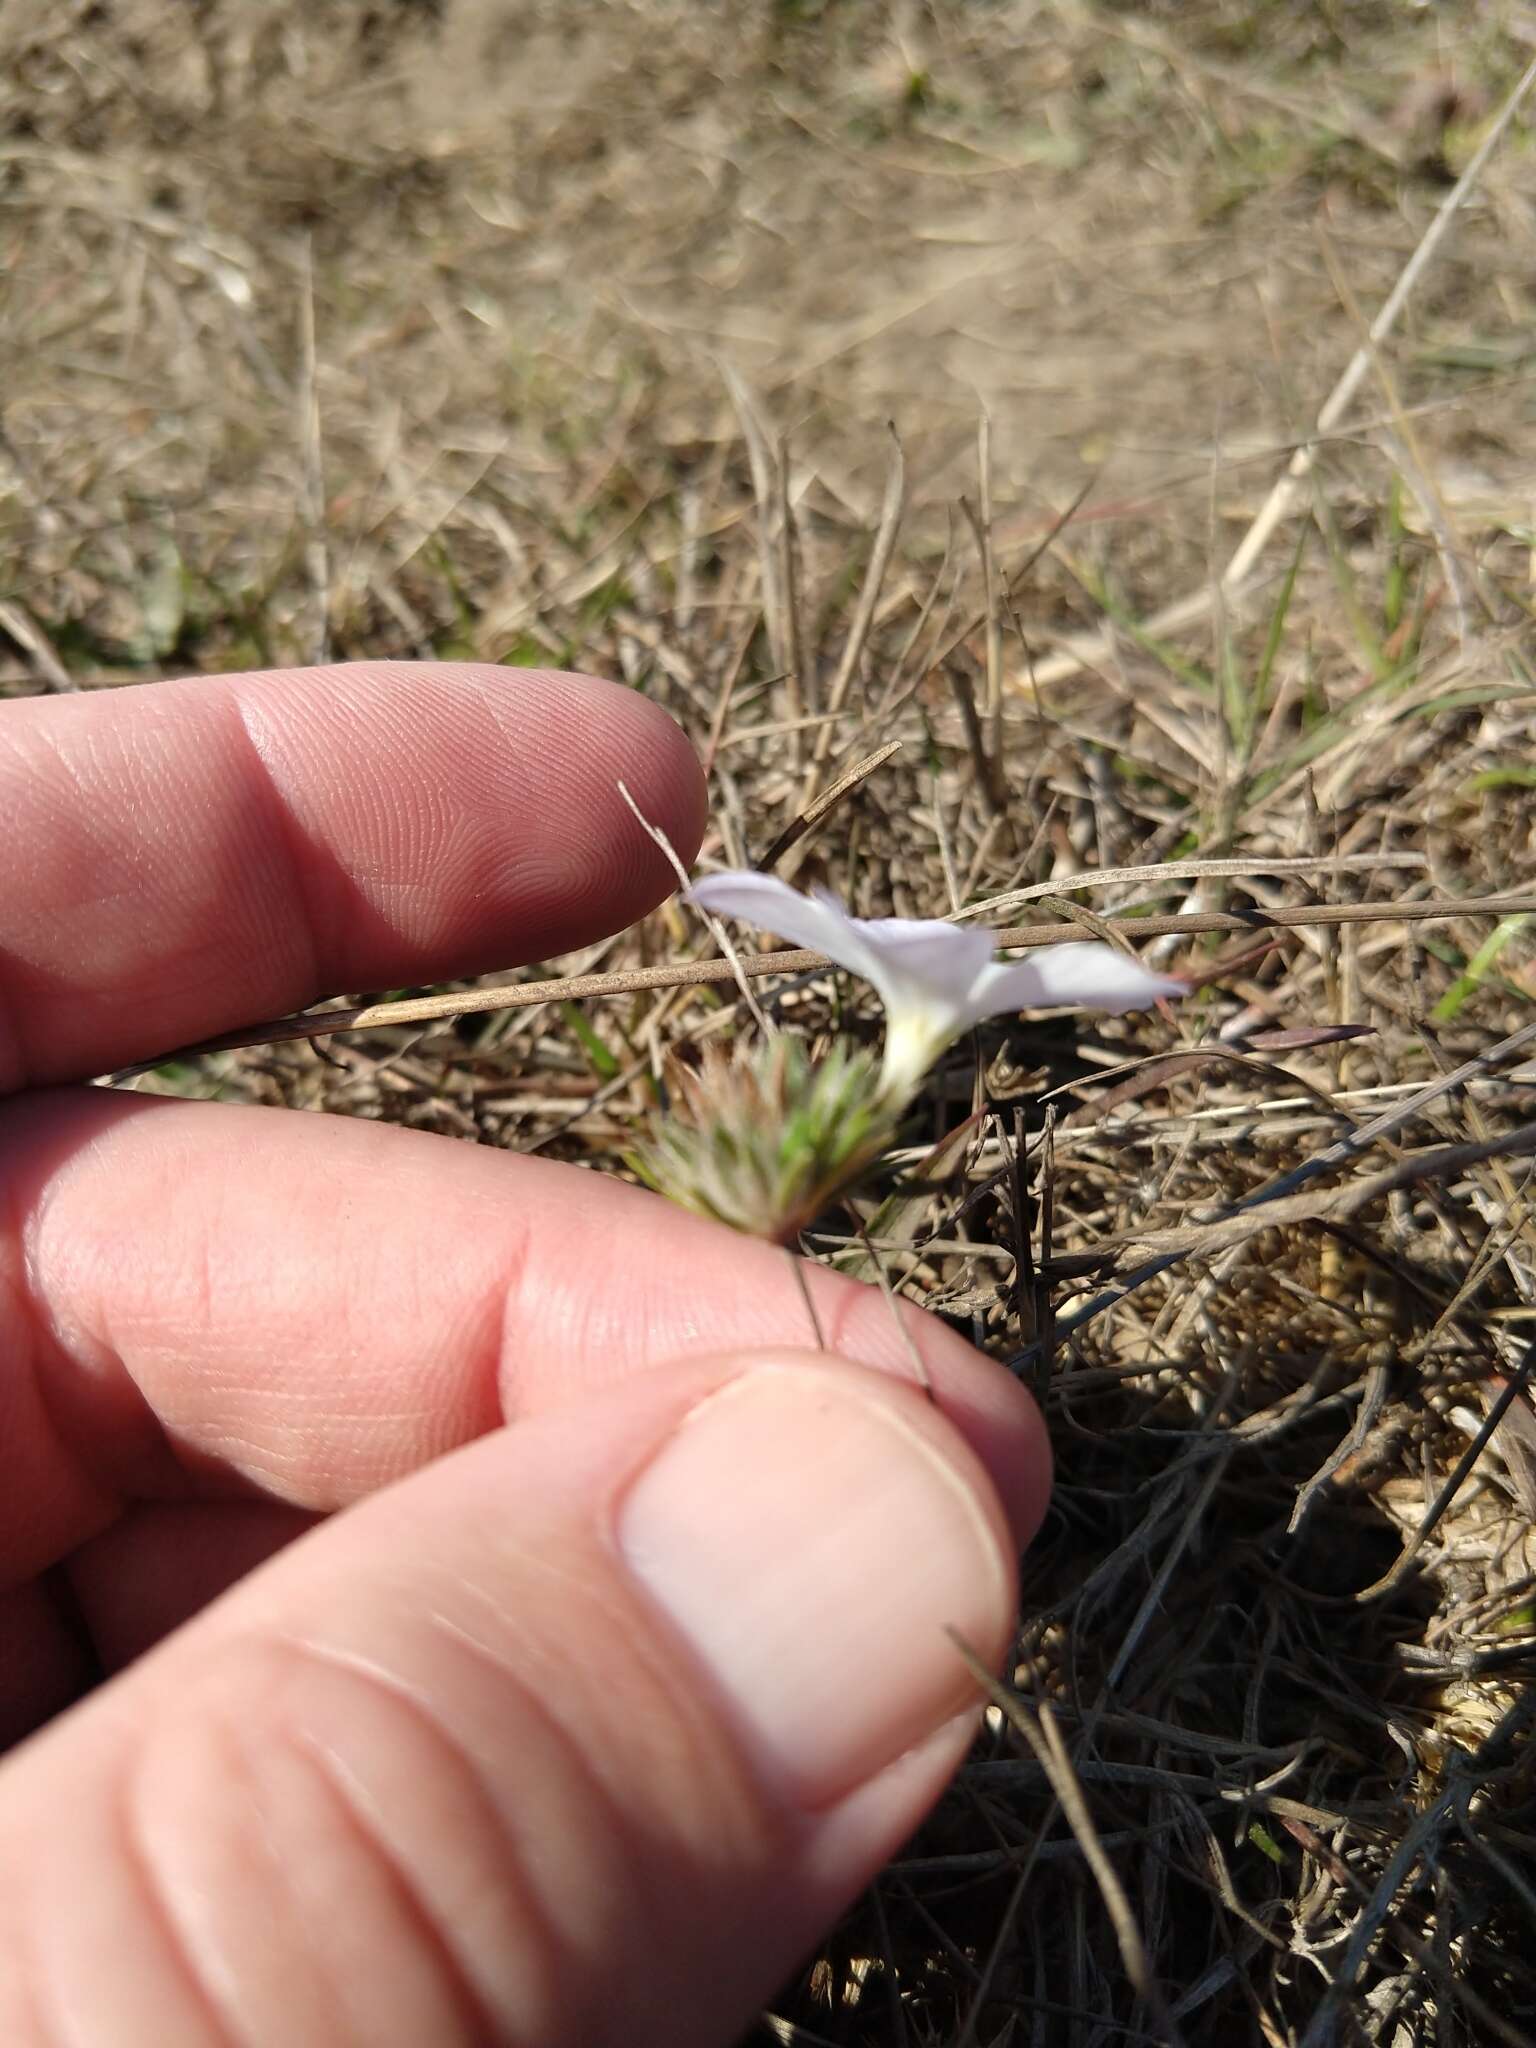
<point x="303" y="1815"/>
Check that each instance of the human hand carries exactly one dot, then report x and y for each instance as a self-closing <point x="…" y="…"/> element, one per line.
<point x="571" y="1731"/>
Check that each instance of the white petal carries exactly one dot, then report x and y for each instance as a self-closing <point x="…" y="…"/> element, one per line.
<point x="945" y="958"/>
<point x="819" y="921"/>
<point x="925" y="973"/>
<point x="914" y="964"/>
<point x="1088" y="976"/>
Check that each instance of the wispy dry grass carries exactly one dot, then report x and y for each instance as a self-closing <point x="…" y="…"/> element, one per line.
<point x="312" y="344"/>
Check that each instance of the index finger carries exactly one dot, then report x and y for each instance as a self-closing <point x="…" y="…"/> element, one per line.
<point x="190" y="856"/>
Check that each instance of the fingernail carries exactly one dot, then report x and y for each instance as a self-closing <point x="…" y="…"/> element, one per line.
<point x="819" y="1555"/>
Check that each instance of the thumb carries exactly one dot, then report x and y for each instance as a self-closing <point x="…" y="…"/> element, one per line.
<point x="579" y="1735"/>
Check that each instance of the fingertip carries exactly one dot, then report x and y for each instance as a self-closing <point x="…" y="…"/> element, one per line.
<point x="664" y="773"/>
<point x="1001" y="1420"/>
<point x="314" y="831"/>
<point x="1009" y="1433"/>
<point x="820" y="1535"/>
<point x="616" y="732"/>
<point x="992" y="1409"/>
<point x="514" y="780"/>
<point x="630" y="741"/>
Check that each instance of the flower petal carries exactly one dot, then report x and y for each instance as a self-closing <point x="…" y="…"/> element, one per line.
<point x="1089" y="976"/>
<point x="925" y="973"/>
<point x="912" y="963"/>
<point x="945" y="958"/>
<point x="935" y="979"/>
<point x="819" y="921"/>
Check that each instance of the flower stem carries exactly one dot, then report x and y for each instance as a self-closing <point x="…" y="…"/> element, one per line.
<point x="797" y="1265"/>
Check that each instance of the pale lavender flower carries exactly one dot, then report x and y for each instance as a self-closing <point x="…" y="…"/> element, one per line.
<point x="936" y="980"/>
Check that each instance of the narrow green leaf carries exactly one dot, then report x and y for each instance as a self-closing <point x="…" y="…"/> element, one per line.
<point x="604" y="1065"/>
<point x="163" y="602"/>
<point x="1277" y="619"/>
<point x="1113" y="609"/>
<point x="1512" y="777"/>
<point x="1397" y="571"/>
<point x="1463" y="700"/>
<point x="1479" y="967"/>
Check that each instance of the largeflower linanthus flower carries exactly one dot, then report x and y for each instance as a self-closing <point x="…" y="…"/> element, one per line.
<point x="936" y="980"/>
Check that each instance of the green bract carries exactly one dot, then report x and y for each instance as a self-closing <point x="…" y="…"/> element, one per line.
<point x="764" y="1141"/>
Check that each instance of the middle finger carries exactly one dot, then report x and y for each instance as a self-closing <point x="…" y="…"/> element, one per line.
<point x="224" y="1300"/>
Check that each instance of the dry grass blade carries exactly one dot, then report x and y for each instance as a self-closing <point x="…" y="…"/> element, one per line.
<point x="1336" y="1154"/>
<point x="886" y="533"/>
<point x="822" y="806"/>
<point x="800" y="684"/>
<point x="989" y="774"/>
<point x="1088" y="922"/>
<point x="909" y="1342"/>
<point x="981" y="525"/>
<point x="29" y="636"/>
<point x="1444" y="1162"/>
<point x="717" y="930"/>
<point x="771" y="491"/>
<point x="1163" y="872"/>
<point x="1513" y="1390"/>
<point x="1040" y="1732"/>
<point x="1375" y="1916"/>
<point x="1285" y="494"/>
<point x="857" y="636"/>
<point x="1090" y="650"/>
<point x="807" y="1301"/>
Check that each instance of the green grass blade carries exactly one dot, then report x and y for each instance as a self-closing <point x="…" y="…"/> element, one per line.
<point x="1479" y="967"/>
<point x="604" y="1064"/>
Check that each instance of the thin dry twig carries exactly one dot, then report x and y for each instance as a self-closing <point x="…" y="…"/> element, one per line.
<point x="1040" y="1732"/>
<point x="869" y="592"/>
<point x="853" y="646"/>
<point x="1156" y="873"/>
<point x="802" y="1282"/>
<point x="807" y="820"/>
<point x="989" y="773"/>
<point x="716" y="929"/>
<point x="29" y="635"/>
<point x="981" y="522"/>
<point x="799" y="683"/>
<point x="770" y="558"/>
<point x="910" y="1342"/>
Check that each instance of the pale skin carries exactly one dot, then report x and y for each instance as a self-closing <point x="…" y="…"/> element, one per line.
<point x="546" y="1738"/>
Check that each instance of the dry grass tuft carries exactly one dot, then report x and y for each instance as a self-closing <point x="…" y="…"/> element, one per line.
<point x="1276" y="1657"/>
